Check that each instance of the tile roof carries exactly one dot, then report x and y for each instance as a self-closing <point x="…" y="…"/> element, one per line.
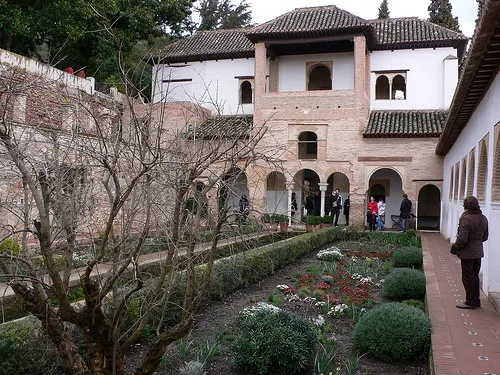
<point x="411" y="32"/>
<point x="305" y="22"/>
<point x="404" y="124"/>
<point x="208" y="45"/>
<point x="481" y="68"/>
<point x="317" y="22"/>
<point x="224" y="127"/>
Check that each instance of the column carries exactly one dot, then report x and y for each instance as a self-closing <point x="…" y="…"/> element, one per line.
<point x="289" y="187"/>
<point x="360" y="65"/>
<point x="322" y="188"/>
<point x="260" y="73"/>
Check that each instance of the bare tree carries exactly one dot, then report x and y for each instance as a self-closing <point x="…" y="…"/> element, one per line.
<point x="93" y="167"/>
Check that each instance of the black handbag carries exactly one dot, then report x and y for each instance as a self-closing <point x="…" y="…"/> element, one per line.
<point x="453" y="250"/>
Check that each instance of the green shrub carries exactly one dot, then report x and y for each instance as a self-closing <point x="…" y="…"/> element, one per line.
<point x="20" y="344"/>
<point x="313" y="220"/>
<point x="404" y="283"/>
<point x="394" y="332"/>
<point x="327" y="219"/>
<point x="274" y="341"/>
<point x="10" y="245"/>
<point x="415" y="303"/>
<point x="408" y="256"/>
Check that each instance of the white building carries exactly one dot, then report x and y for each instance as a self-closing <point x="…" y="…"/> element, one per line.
<point x="470" y="142"/>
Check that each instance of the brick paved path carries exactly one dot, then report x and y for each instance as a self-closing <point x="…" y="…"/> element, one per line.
<point x="464" y="342"/>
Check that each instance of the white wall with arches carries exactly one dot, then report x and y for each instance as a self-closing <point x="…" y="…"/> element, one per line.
<point x="429" y="82"/>
<point x="480" y="137"/>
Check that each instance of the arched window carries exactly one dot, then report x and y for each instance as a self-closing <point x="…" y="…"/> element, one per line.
<point x="496" y="170"/>
<point x="470" y="174"/>
<point x="455" y="184"/>
<point x="398" y="87"/>
<point x="481" y="171"/>
<point x="450" y="195"/>
<point x="308" y="145"/>
<point x="382" y="88"/>
<point x="320" y="78"/>
<point x="246" y="93"/>
<point x="462" y="178"/>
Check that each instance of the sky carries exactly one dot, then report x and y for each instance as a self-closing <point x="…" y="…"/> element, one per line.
<point x="465" y="10"/>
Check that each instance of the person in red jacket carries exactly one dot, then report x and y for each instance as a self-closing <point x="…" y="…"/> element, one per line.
<point x="371" y="214"/>
<point x="472" y="232"/>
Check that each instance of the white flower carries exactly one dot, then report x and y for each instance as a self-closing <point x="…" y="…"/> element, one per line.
<point x="282" y="287"/>
<point x="320" y="304"/>
<point x="338" y="310"/>
<point x="292" y="297"/>
<point x="259" y="306"/>
<point x="319" y="321"/>
<point x="330" y="254"/>
<point x="309" y="299"/>
<point x="366" y="280"/>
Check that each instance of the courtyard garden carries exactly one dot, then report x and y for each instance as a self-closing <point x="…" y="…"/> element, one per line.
<point x="351" y="307"/>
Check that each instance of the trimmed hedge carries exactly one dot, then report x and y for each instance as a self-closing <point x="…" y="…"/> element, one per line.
<point x="404" y="283"/>
<point x="394" y="332"/>
<point x="409" y="257"/>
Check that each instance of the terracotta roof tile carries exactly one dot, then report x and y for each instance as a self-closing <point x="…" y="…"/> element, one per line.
<point x="325" y="20"/>
<point x="224" y="127"/>
<point x="209" y="45"/>
<point x="394" y="33"/>
<point x="405" y="124"/>
<point x="411" y="31"/>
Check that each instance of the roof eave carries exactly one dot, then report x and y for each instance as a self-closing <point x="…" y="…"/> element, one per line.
<point x="464" y="103"/>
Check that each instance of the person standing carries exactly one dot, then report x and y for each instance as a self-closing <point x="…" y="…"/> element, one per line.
<point x="294" y="205"/>
<point x="243" y="208"/>
<point x="381" y="215"/>
<point x="328" y="203"/>
<point x="371" y="213"/>
<point x="404" y="213"/>
<point x="472" y="232"/>
<point x="347" y="204"/>
<point x="336" y="207"/>
<point x="310" y="204"/>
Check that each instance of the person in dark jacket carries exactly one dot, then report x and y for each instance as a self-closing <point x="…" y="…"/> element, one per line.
<point x="472" y="232"/>
<point x="404" y="213"/>
<point x="347" y="204"/>
<point x="336" y="207"/>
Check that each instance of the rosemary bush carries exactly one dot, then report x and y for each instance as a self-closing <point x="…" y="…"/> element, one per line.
<point x="404" y="283"/>
<point x="394" y="332"/>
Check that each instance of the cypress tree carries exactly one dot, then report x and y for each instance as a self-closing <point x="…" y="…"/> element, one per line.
<point x="440" y="14"/>
<point x="383" y="10"/>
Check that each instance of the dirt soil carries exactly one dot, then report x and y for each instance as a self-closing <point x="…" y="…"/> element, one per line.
<point x="220" y="316"/>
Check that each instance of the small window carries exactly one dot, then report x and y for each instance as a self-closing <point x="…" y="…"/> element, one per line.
<point x="390" y="86"/>
<point x="246" y="93"/>
<point x="320" y="78"/>
<point x="398" y="87"/>
<point x="308" y="145"/>
<point x="382" y="88"/>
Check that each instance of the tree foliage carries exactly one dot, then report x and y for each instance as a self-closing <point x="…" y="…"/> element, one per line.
<point x="383" y="10"/>
<point x="106" y="172"/>
<point x="222" y="14"/>
<point x="440" y="14"/>
<point x="85" y="34"/>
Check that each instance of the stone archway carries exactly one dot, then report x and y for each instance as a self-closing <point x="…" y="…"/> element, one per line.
<point x="234" y="185"/>
<point x="276" y="193"/>
<point x="386" y="181"/>
<point x="306" y="182"/>
<point x="338" y="180"/>
<point x="429" y="208"/>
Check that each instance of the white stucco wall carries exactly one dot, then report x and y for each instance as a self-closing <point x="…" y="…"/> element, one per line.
<point x="425" y="78"/>
<point x="292" y="71"/>
<point x="481" y="123"/>
<point x="214" y="84"/>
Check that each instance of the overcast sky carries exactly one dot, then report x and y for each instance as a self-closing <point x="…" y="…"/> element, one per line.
<point x="465" y="10"/>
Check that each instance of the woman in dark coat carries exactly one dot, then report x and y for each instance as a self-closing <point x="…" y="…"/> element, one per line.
<point x="472" y="232"/>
